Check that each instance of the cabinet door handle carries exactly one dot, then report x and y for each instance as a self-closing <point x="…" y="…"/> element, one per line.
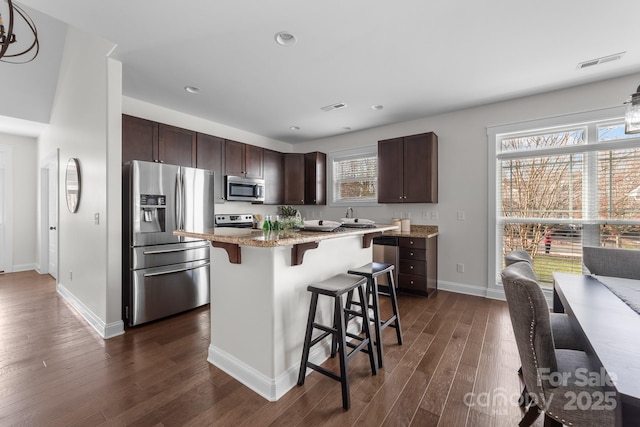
<point x="411" y="282"/>
<point x="411" y="242"/>
<point x="411" y="253"/>
<point x="411" y="267"/>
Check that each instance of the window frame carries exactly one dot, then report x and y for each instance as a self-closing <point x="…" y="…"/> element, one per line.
<point x="349" y="154"/>
<point x="496" y="133"/>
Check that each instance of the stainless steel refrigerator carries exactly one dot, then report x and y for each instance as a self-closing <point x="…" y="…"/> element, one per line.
<point x="164" y="274"/>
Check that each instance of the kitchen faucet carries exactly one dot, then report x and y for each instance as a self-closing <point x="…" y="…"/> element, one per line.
<point x="349" y="213"/>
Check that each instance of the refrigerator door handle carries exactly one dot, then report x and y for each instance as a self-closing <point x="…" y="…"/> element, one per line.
<point x="166" y="251"/>
<point x="179" y="199"/>
<point x="177" y="270"/>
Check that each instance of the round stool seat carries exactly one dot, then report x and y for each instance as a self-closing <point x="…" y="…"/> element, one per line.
<point x="337" y="285"/>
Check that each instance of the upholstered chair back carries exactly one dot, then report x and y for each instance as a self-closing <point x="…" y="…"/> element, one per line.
<point x="517" y="256"/>
<point x="529" y="313"/>
<point x="614" y="262"/>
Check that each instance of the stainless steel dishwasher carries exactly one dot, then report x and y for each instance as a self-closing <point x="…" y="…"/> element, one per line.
<point x="385" y="249"/>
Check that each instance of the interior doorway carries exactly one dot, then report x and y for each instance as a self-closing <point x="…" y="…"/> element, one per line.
<point x="49" y="189"/>
<point x="6" y="209"/>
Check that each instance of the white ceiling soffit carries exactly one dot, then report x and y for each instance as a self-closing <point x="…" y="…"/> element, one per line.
<point x="416" y="58"/>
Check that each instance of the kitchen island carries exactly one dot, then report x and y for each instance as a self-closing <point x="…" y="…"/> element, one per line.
<point x="259" y="298"/>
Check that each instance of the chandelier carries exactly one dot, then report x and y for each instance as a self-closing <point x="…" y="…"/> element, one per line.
<point x="632" y="115"/>
<point x="8" y="38"/>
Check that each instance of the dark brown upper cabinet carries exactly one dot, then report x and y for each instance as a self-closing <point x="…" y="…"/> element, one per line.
<point x="210" y="155"/>
<point x="156" y="142"/>
<point x="176" y="146"/>
<point x="139" y="139"/>
<point x="305" y="178"/>
<point x="315" y="178"/>
<point x="408" y="169"/>
<point x="243" y="160"/>
<point x="294" y="179"/>
<point x="273" y="177"/>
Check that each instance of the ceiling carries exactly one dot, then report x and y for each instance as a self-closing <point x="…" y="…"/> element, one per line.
<point x="413" y="57"/>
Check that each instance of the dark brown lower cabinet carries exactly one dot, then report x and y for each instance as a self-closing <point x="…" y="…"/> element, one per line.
<point x="418" y="265"/>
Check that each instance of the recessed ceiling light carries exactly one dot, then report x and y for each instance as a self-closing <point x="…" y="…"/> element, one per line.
<point x="347" y="128"/>
<point x="377" y="107"/>
<point x="285" y="38"/>
<point x="191" y="89"/>
<point x="294" y="127"/>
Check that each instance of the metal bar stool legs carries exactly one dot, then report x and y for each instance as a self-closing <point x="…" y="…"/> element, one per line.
<point x="335" y="287"/>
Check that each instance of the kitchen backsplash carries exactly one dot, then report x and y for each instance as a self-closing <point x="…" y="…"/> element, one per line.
<point x="420" y="214"/>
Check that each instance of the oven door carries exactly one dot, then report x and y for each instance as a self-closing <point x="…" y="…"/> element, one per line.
<point x="244" y="189"/>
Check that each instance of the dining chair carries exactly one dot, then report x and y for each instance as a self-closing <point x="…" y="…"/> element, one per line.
<point x="614" y="262"/>
<point x="555" y="378"/>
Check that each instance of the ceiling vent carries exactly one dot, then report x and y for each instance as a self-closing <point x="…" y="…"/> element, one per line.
<point x="597" y="61"/>
<point x="335" y="106"/>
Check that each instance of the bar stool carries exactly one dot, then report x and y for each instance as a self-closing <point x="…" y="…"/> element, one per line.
<point x="335" y="287"/>
<point x="371" y="271"/>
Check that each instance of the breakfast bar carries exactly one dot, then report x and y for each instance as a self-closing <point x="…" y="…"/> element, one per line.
<point x="259" y="298"/>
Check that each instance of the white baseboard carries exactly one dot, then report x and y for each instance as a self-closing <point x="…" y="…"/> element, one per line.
<point x="106" y="331"/>
<point x="23" y="267"/>
<point x="462" y="288"/>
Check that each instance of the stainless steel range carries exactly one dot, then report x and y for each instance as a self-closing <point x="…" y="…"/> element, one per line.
<point x="234" y="220"/>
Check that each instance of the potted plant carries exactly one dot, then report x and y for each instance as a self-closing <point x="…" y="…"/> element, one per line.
<point x="290" y="218"/>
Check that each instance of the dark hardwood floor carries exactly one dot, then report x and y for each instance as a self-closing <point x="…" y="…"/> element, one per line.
<point x="457" y="367"/>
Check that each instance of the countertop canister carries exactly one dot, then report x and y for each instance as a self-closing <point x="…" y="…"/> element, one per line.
<point x="405" y="224"/>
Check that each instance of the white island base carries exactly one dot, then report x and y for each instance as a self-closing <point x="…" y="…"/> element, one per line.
<point x="259" y="309"/>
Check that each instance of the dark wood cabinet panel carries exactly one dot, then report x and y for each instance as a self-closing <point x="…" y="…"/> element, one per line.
<point x="139" y="139"/>
<point x="254" y="161"/>
<point x="243" y="159"/>
<point x="234" y="158"/>
<point x="420" y="175"/>
<point x="176" y="146"/>
<point x="273" y="177"/>
<point x="210" y="155"/>
<point x="408" y="169"/>
<point x="315" y="170"/>
<point x="418" y="265"/>
<point x="294" y="179"/>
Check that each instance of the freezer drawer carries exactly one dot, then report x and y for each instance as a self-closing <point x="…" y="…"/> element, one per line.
<point x="175" y="253"/>
<point x="163" y="291"/>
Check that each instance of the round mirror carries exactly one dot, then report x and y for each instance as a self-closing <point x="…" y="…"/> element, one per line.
<point x="72" y="184"/>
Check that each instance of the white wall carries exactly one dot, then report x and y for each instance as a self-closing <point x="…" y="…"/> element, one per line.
<point x="463" y="176"/>
<point x="25" y="175"/>
<point x="85" y="124"/>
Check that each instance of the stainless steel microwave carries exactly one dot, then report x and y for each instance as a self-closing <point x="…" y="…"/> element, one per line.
<point x="238" y="188"/>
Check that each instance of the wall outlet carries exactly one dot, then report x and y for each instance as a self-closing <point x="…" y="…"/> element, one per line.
<point x="96" y="218"/>
<point x="460" y="215"/>
<point x="434" y="215"/>
<point x="460" y="268"/>
<point x="70" y="276"/>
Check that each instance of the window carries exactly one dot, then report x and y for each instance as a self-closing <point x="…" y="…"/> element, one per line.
<point x="564" y="187"/>
<point x="354" y="176"/>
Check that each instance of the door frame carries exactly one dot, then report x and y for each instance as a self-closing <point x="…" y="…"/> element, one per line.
<point x="6" y="264"/>
<point x="48" y="162"/>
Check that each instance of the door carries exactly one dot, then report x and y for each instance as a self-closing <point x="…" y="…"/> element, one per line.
<point x="176" y="146"/>
<point x="198" y="195"/>
<point x="390" y="167"/>
<point x="53" y="220"/>
<point x="154" y="215"/>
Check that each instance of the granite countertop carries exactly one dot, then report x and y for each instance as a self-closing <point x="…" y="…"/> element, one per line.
<point x="417" y="231"/>
<point x="250" y="237"/>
